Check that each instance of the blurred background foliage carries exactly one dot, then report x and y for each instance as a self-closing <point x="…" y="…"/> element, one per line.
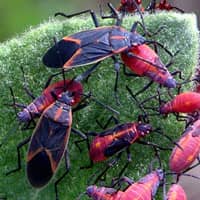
<point x="16" y="16"/>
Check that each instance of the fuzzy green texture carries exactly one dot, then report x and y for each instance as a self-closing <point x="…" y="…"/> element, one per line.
<point x="27" y="50"/>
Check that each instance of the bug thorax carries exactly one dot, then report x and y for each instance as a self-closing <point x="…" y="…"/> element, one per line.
<point x="143" y="129"/>
<point x="66" y="98"/>
<point x="136" y="39"/>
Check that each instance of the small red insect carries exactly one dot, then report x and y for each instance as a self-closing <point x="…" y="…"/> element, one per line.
<point x="144" y="189"/>
<point x="182" y="158"/>
<point x="111" y="141"/>
<point x="186" y="102"/>
<point x="142" y="68"/>
<point x="48" y="96"/>
<point x="176" y="192"/>
<point x="162" y="5"/>
<point x="130" y="6"/>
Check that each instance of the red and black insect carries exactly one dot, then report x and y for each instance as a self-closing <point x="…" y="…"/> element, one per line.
<point x="48" y="96"/>
<point x="130" y="6"/>
<point x="162" y="5"/>
<point x="144" y="189"/>
<point x="136" y="64"/>
<point x="49" y="142"/>
<point x="91" y="46"/>
<point x="188" y="149"/>
<point x="186" y="102"/>
<point x="114" y="140"/>
<point x="176" y="192"/>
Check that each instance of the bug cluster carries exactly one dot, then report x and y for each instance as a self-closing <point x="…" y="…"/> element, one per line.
<point x="59" y="101"/>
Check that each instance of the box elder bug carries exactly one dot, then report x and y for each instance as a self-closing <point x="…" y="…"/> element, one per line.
<point x="176" y="192"/>
<point x="162" y="5"/>
<point x="49" y="142"/>
<point x="130" y="6"/>
<point x="50" y="94"/>
<point x="182" y="158"/>
<point x="143" y="189"/>
<point x="115" y="140"/>
<point x="91" y="46"/>
<point x="185" y="102"/>
<point x="50" y="138"/>
<point x="133" y="59"/>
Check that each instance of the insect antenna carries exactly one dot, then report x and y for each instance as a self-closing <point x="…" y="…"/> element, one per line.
<point x="90" y="96"/>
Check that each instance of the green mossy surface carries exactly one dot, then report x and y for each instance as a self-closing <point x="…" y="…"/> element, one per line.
<point x="27" y="50"/>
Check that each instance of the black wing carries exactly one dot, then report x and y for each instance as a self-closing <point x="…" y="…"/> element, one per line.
<point x="81" y="48"/>
<point x="46" y="150"/>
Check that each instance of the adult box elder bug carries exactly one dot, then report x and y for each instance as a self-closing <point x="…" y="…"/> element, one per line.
<point x="91" y="46"/>
<point x="49" y="140"/>
<point x="50" y="94"/>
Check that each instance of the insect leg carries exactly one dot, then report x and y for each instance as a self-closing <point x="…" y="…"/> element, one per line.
<point x="138" y="103"/>
<point x="116" y="121"/>
<point x="109" y="165"/>
<point x="25" y="85"/>
<point x="117" y="68"/>
<point x="88" y="147"/>
<point x="176" y="8"/>
<point x="114" y="14"/>
<point x="129" y="54"/>
<point x="67" y="164"/>
<point x="92" y="13"/>
<point x="119" y="182"/>
<point x="127" y="163"/>
<point x="77" y="132"/>
<point x="154" y="145"/>
<point x="19" y="146"/>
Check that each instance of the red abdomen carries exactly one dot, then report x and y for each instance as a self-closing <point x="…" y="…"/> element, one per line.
<point x="98" y="146"/>
<point x="141" y="68"/>
<point x="145" y="188"/>
<point x="181" y="159"/>
<point x="176" y="192"/>
<point x="186" y="102"/>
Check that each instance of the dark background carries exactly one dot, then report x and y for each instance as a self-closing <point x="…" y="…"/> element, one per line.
<point x="17" y="16"/>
